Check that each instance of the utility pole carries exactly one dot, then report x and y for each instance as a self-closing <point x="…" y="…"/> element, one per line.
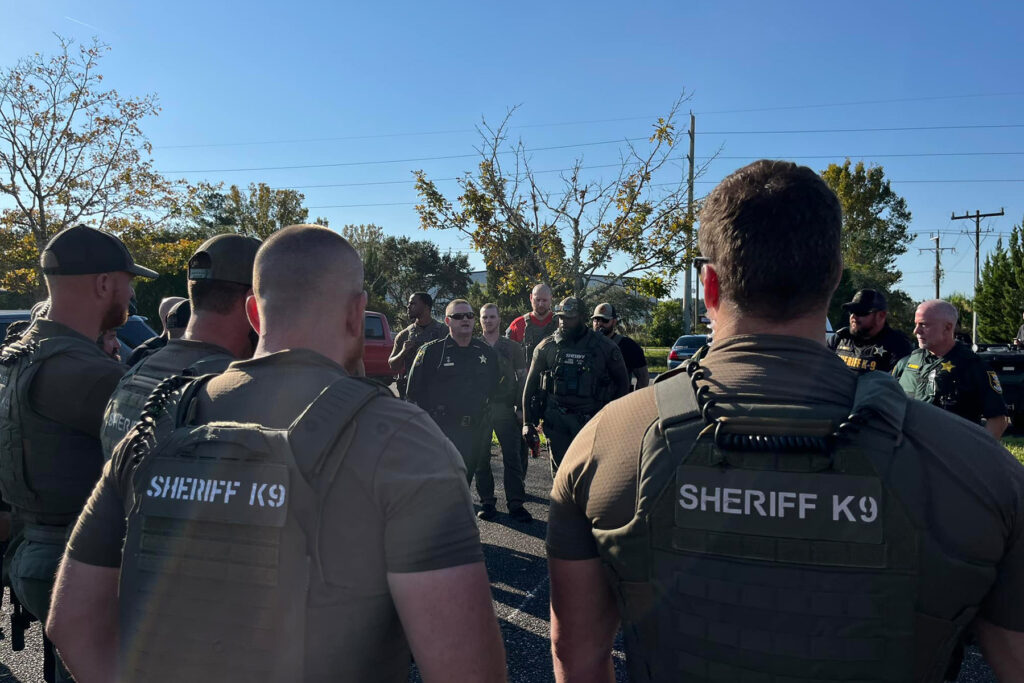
<point x="938" y="260"/>
<point x="690" y="306"/>
<point x="977" y="256"/>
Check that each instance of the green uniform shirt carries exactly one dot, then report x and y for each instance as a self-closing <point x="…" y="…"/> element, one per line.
<point x="959" y="382"/>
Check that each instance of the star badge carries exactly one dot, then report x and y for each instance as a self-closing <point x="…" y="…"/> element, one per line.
<point x="948" y="366"/>
<point x="483" y="359"/>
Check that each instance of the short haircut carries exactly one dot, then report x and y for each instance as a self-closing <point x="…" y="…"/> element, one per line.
<point x="425" y="298"/>
<point x="305" y="270"/>
<point x="216" y="296"/>
<point x="772" y="231"/>
<point x="450" y="308"/>
<point x="944" y="309"/>
<point x="490" y="305"/>
<point x="541" y="287"/>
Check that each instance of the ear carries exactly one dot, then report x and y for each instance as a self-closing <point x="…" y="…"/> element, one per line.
<point x="252" y="312"/>
<point x="103" y="284"/>
<point x="712" y="291"/>
<point x="355" y="321"/>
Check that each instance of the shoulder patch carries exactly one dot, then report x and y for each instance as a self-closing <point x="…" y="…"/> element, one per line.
<point x="993" y="381"/>
<point x="419" y="356"/>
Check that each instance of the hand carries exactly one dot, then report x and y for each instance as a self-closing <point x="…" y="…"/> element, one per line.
<point x="528" y="430"/>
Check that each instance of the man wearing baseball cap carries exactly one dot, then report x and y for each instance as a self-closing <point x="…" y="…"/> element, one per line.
<point x="604" y="321"/>
<point x="54" y="382"/>
<point x="216" y="334"/>
<point x="868" y="343"/>
<point x="574" y="373"/>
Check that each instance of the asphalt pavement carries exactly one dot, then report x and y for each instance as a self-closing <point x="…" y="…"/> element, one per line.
<point x="516" y="563"/>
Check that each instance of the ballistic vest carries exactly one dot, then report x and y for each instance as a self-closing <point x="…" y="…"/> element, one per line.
<point x="222" y="550"/>
<point x="770" y="547"/>
<point x="534" y="334"/>
<point x="178" y="357"/>
<point x="47" y="469"/>
<point x="578" y="375"/>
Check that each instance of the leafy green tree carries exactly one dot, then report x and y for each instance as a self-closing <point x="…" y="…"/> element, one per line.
<point x="666" y="323"/>
<point x="876" y="221"/>
<point x="627" y="227"/>
<point x="262" y="210"/>
<point x="1000" y="296"/>
<point x="71" y="152"/>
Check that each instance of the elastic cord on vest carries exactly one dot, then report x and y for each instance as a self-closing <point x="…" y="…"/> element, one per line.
<point x="142" y="440"/>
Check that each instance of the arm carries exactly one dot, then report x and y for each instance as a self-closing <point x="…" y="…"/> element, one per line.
<point x="618" y="374"/>
<point x="397" y="360"/>
<point x="584" y="620"/>
<point x="449" y="620"/>
<point x="643" y="377"/>
<point x="533" y="395"/>
<point x="415" y="386"/>
<point x="997" y="425"/>
<point x="1003" y="649"/>
<point x="83" y="620"/>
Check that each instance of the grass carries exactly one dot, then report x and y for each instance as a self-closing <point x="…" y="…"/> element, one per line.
<point x="1015" y="444"/>
<point x="657" y="358"/>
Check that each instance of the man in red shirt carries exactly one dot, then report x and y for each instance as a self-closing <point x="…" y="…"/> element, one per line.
<point x="530" y="329"/>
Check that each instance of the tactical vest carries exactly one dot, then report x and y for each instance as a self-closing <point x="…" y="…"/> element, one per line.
<point x="222" y="549"/>
<point x="773" y="549"/>
<point x="47" y="469"/>
<point x="534" y="334"/>
<point x="126" y="403"/>
<point x="578" y="373"/>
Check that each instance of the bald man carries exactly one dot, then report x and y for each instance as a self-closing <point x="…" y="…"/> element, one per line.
<point x="948" y="374"/>
<point x="532" y="328"/>
<point x="304" y="544"/>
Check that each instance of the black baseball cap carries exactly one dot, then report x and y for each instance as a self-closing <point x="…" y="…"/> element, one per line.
<point x="228" y="258"/>
<point x="82" y="250"/>
<point x="178" y="316"/>
<point x="866" y="301"/>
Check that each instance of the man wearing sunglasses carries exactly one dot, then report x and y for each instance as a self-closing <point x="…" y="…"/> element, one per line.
<point x="868" y="343"/>
<point x="604" y="321"/>
<point x="454" y="380"/>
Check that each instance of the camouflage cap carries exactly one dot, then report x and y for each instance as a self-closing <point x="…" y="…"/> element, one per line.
<point x="604" y="311"/>
<point x="570" y="307"/>
<point x="228" y="258"/>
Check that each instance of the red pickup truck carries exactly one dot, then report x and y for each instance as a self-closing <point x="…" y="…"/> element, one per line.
<point x="377" y="348"/>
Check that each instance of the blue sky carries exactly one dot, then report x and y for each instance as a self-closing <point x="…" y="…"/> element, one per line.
<point x="408" y="80"/>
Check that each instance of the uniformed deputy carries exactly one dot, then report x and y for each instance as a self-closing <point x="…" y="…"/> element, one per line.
<point x="167" y="304"/>
<point x="574" y="373"/>
<point x="506" y="420"/>
<point x="318" y="536"/>
<point x="946" y="373"/>
<point x="454" y="379"/>
<point x="767" y="515"/>
<point x="54" y="382"/>
<point x="422" y="330"/>
<point x="868" y="342"/>
<point x="604" y="321"/>
<point x="219" y="282"/>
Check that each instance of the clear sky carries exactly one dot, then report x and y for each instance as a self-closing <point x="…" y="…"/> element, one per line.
<point x="305" y="84"/>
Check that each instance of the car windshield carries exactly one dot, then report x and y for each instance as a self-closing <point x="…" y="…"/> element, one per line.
<point x="692" y="341"/>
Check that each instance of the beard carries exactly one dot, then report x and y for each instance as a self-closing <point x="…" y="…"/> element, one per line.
<point x="115" y="316"/>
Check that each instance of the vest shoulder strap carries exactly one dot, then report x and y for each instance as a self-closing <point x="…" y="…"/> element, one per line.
<point x="881" y="394"/>
<point x="675" y="400"/>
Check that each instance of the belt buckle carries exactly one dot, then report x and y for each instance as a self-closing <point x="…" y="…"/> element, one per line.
<point x="466" y="421"/>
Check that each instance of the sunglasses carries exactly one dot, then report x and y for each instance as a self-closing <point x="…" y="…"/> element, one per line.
<point x="599" y="319"/>
<point x="699" y="262"/>
<point x="462" y="316"/>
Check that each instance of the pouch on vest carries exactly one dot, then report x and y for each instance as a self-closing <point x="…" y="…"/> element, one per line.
<point x="222" y="543"/>
<point x="47" y="469"/>
<point x="769" y="548"/>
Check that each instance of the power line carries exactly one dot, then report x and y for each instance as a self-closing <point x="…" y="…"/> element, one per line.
<point x="459" y="131"/>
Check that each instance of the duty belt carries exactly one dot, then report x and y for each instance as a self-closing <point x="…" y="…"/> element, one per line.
<point x="45" y="533"/>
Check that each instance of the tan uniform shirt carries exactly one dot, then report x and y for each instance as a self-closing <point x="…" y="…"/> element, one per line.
<point x="400" y="505"/>
<point x="972" y="495"/>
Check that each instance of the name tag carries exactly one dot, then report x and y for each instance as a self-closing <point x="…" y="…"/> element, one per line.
<point x="233" y="493"/>
<point x="913" y="366"/>
<point x="819" y="506"/>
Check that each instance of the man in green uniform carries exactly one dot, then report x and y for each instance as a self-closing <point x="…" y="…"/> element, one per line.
<point x="422" y="330"/>
<point x="574" y="373"/>
<point x="506" y="422"/>
<point x="454" y="379"/>
<point x="54" y="382"/>
<point x="768" y="515"/>
<point x="310" y="527"/>
<point x="218" y="332"/>
<point x="946" y="373"/>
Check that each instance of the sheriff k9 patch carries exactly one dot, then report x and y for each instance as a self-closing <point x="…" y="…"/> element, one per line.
<point x="993" y="380"/>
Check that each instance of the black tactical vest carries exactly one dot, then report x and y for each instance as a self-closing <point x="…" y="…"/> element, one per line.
<point x="773" y="549"/>
<point x="534" y="334"/>
<point x="127" y="401"/>
<point x="222" y="550"/>
<point x="579" y="372"/>
<point x="47" y="469"/>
